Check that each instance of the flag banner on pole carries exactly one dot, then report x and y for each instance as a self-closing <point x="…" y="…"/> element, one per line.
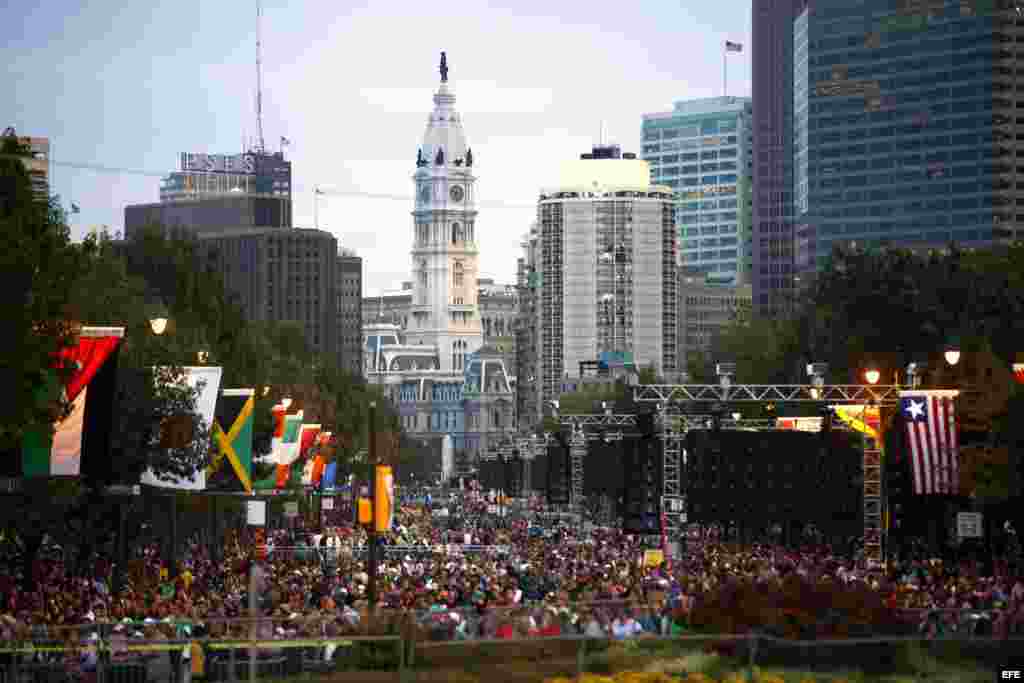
<point x="330" y="475"/>
<point x="292" y="472"/>
<point x="59" y="453"/>
<point x="733" y="47"/>
<point x="862" y="418"/>
<point x="286" y="449"/>
<point x="232" y="435"/>
<point x="930" y="417"/>
<point x="207" y="380"/>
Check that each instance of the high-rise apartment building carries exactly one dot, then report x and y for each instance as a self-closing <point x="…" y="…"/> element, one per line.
<point x="772" y="71"/>
<point x="702" y="150"/>
<point x="905" y="125"/>
<point x="349" y="294"/>
<point x="608" y="267"/>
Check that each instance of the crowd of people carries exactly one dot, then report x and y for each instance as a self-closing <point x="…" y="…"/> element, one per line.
<point x="469" y="573"/>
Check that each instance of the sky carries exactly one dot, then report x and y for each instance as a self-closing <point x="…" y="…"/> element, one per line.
<point x="122" y="88"/>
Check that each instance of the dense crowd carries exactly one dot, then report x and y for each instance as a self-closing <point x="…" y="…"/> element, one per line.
<point x="488" y="576"/>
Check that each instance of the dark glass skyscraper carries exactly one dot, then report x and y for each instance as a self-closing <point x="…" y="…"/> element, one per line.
<point x="772" y="63"/>
<point x="903" y="125"/>
<point x="880" y="122"/>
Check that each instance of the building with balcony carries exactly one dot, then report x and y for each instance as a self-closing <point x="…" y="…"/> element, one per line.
<point x="607" y="245"/>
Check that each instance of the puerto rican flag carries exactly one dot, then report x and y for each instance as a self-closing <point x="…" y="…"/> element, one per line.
<point x="930" y="417"/>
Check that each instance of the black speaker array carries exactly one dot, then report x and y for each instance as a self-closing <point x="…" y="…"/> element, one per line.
<point x="761" y="478"/>
<point x="642" y="475"/>
<point x="513" y="473"/>
<point x="558" y="471"/>
<point x="492" y="475"/>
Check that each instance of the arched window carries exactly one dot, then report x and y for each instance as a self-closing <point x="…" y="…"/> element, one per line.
<point x="459" y="274"/>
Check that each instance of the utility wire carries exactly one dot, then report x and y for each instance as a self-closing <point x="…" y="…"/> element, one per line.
<point x="297" y="189"/>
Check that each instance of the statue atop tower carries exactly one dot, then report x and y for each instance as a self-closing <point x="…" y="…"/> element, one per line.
<point x="444" y="68"/>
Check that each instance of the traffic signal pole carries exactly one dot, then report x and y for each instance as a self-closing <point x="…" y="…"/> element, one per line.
<point x="372" y="550"/>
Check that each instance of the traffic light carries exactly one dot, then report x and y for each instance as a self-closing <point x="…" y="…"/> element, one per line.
<point x="642" y="475"/>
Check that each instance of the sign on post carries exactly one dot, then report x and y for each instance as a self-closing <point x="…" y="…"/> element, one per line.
<point x="256" y="512"/>
<point x="968" y="525"/>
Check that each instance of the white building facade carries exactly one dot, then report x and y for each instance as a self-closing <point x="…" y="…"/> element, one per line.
<point x="608" y="252"/>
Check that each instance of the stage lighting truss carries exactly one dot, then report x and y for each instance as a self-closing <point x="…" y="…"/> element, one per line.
<point x="775" y="393"/>
<point x="676" y="395"/>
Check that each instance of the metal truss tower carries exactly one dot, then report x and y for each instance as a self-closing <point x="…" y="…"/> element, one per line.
<point x="673" y="396"/>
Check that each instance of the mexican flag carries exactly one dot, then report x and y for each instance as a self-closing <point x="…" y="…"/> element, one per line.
<point x="232" y="435"/>
<point x="207" y="380"/>
<point x="59" y="452"/>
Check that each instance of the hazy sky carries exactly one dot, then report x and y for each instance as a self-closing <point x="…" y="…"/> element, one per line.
<point x="130" y="85"/>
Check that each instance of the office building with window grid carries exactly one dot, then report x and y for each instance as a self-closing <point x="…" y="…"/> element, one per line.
<point x="348" y="292"/>
<point x="280" y="275"/>
<point x="702" y="150"/>
<point x="905" y="120"/>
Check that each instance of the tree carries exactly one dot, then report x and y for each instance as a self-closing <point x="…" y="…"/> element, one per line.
<point x="39" y="266"/>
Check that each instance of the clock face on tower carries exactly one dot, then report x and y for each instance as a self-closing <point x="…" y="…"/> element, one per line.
<point x="456" y="193"/>
<point x="425" y="193"/>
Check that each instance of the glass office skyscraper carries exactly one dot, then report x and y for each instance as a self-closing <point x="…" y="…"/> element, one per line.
<point x="702" y="150"/>
<point x="772" y="69"/>
<point x="904" y="124"/>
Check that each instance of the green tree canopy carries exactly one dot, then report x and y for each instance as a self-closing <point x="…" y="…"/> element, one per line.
<point x="39" y="266"/>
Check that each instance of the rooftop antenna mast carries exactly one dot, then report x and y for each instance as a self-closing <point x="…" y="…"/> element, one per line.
<point x="259" y="77"/>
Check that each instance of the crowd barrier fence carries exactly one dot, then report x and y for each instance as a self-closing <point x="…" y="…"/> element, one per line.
<point x="235" y="659"/>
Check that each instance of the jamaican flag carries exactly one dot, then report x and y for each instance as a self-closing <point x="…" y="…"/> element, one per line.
<point x="232" y="435"/>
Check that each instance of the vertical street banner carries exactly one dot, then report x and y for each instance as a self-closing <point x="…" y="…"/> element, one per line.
<point x="232" y="437"/>
<point x="932" y="439"/>
<point x="384" y="504"/>
<point x="1018" y="372"/>
<point x="292" y="472"/>
<point x="207" y="380"/>
<point x="313" y="466"/>
<point x="59" y="453"/>
<point x="286" y="449"/>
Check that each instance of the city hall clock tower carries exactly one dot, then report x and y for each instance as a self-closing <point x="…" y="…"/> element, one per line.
<point x="445" y="311"/>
